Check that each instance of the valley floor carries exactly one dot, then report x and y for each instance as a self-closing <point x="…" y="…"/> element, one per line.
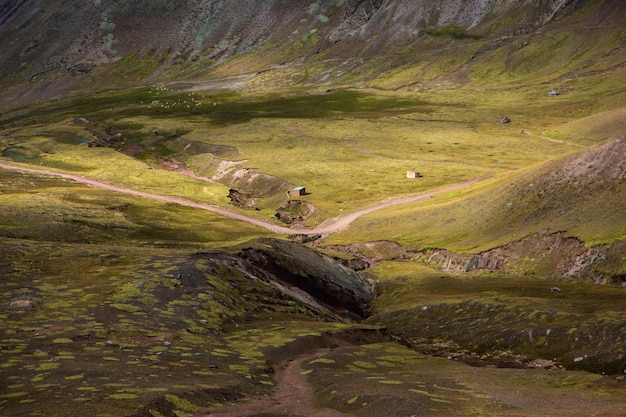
<point x="330" y="226"/>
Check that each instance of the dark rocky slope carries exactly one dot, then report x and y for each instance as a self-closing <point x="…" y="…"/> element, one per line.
<point x="60" y="43"/>
<point x="300" y="273"/>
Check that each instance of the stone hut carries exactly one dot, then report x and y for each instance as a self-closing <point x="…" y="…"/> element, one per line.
<point x="297" y="191"/>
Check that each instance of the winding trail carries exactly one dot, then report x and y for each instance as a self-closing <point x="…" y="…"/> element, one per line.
<point x="293" y="395"/>
<point x="330" y="226"/>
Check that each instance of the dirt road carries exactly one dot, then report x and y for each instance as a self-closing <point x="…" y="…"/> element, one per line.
<point x="336" y="224"/>
<point x="330" y="226"/>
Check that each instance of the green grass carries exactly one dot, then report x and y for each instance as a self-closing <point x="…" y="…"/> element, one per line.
<point x="52" y="209"/>
<point x="375" y="378"/>
<point x="512" y="205"/>
<point x="493" y="314"/>
<point x="349" y="148"/>
<point x="111" y="278"/>
<point x="407" y="284"/>
<point x="132" y="323"/>
<point x="453" y="32"/>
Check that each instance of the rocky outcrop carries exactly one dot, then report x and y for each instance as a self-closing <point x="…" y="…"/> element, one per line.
<point x="253" y="183"/>
<point x="319" y="276"/>
<point x="327" y="289"/>
<point x="241" y="199"/>
<point x="367" y="254"/>
<point x="555" y="255"/>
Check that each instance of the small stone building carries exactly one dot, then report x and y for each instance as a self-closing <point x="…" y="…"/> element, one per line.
<point x="297" y="191"/>
<point x="413" y="174"/>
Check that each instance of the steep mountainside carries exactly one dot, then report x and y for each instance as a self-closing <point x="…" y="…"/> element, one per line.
<point x="63" y="41"/>
<point x="580" y="194"/>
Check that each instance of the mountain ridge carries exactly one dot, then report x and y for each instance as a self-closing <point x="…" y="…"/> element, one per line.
<point x="61" y="44"/>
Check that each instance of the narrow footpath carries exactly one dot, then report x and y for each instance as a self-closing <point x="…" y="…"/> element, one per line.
<point x="293" y="395"/>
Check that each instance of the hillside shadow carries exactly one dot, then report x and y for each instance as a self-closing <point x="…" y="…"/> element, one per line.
<point x="333" y="103"/>
<point x="220" y="110"/>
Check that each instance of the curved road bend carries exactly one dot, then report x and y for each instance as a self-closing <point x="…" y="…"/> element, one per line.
<point x="331" y="225"/>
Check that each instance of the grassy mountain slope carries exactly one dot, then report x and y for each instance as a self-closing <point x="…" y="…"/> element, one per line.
<point x="581" y="194"/>
<point x="115" y="305"/>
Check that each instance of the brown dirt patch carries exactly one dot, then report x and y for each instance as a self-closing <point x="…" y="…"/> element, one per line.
<point x="293" y="395"/>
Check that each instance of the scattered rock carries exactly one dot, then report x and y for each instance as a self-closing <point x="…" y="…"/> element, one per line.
<point x="21" y="303"/>
<point x="559" y="90"/>
<point x="300" y="238"/>
<point x="106" y="139"/>
<point x="79" y="120"/>
<point x="79" y="69"/>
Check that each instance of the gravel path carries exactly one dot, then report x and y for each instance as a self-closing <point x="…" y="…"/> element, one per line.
<point x="332" y="225"/>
